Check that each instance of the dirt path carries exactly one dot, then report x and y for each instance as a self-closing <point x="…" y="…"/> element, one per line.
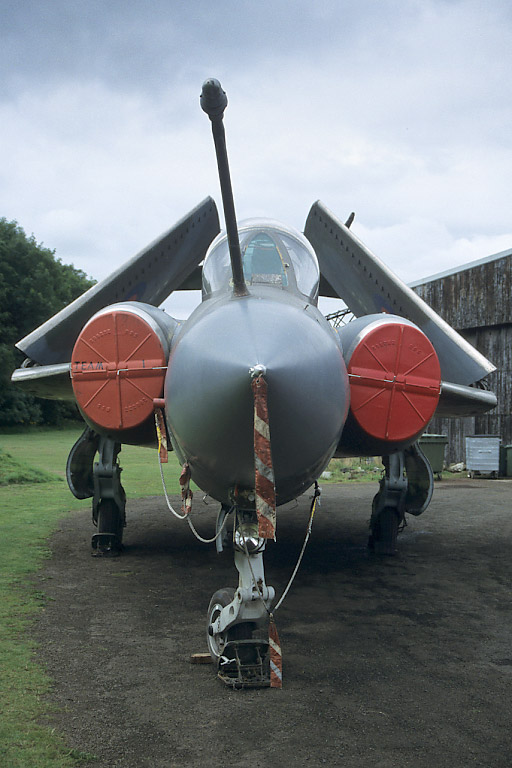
<point x="388" y="663"/>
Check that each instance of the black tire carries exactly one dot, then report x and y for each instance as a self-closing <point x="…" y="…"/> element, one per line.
<point x="111" y="521"/>
<point x="384" y="532"/>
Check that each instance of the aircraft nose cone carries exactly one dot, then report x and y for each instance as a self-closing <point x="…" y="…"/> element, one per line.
<point x="209" y="399"/>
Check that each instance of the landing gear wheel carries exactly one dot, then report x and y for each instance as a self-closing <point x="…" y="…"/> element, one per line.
<point x="384" y="531"/>
<point x="217" y="643"/>
<point x="109" y="539"/>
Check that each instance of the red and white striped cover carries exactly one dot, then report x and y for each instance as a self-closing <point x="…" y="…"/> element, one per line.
<point x="264" y="471"/>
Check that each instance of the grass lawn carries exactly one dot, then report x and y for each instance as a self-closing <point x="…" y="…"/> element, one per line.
<point x="48" y="449"/>
<point x="33" y="497"/>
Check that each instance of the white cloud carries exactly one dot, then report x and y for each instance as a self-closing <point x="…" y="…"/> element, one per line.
<point x="397" y="110"/>
<point x="421" y="247"/>
<point x="96" y="174"/>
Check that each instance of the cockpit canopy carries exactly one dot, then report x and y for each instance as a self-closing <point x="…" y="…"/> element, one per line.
<point x="272" y="255"/>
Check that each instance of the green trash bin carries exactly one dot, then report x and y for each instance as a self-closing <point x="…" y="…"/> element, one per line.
<point x="506" y="461"/>
<point x="434" y="446"/>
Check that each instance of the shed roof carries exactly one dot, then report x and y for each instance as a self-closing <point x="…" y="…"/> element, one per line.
<point x="462" y="268"/>
<point x="474" y="295"/>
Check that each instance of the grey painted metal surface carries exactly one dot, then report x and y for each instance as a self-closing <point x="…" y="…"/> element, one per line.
<point x="150" y="277"/>
<point x="367" y="286"/>
<point x="209" y="403"/>
<point x="458" y="400"/>
<point x="52" y="382"/>
<point x="275" y="327"/>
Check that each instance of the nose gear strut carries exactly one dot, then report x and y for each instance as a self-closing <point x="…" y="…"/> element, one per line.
<point x="237" y="633"/>
<point x="237" y="630"/>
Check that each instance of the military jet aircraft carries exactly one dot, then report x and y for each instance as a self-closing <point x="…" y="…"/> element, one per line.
<point x="255" y="390"/>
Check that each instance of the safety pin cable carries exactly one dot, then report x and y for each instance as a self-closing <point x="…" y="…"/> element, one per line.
<point x="209" y="541"/>
<point x="316" y="497"/>
<point x="171" y="508"/>
<point x="187" y="516"/>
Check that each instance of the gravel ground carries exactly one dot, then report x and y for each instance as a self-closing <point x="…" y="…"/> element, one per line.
<point x="392" y="662"/>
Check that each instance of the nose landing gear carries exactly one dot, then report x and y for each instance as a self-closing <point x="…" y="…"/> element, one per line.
<point x="237" y="621"/>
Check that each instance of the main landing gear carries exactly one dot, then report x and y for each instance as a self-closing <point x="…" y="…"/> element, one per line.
<point x="100" y="480"/>
<point x="237" y="621"/>
<point x="407" y="486"/>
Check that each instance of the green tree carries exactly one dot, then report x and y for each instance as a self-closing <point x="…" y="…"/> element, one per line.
<point x="34" y="285"/>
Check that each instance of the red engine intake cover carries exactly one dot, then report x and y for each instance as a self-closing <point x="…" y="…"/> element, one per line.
<point x="117" y="369"/>
<point x="395" y="381"/>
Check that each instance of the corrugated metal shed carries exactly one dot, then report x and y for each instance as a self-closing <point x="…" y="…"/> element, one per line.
<point x="476" y="300"/>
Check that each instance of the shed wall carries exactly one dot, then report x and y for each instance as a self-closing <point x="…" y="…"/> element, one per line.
<point x="477" y="303"/>
<point x="473" y="298"/>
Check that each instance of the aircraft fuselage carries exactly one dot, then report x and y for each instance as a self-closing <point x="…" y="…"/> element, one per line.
<point x="209" y="401"/>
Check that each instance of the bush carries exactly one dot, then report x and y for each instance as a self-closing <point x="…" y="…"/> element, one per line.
<point x="34" y="285"/>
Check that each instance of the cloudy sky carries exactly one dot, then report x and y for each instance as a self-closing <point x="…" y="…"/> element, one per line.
<point x="400" y="110"/>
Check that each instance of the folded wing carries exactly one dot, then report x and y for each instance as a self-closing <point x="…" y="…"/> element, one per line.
<point x="458" y="400"/>
<point x="53" y="382"/>
<point x="366" y="285"/>
<point x="149" y="277"/>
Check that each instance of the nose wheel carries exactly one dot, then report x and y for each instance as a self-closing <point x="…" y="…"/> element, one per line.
<point x="217" y="642"/>
<point x="241" y="659"/>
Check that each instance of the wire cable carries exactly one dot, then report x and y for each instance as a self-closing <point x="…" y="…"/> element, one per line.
<point x="187" y="516"/>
